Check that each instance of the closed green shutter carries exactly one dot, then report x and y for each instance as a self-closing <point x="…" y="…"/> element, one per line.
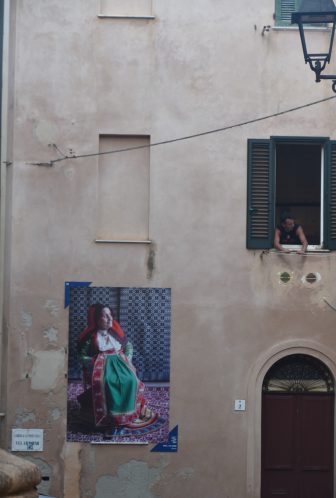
<point x="330" y="198"/>
<point x="260" y="196"/>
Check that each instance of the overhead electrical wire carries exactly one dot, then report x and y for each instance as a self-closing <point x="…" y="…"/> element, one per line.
<point x="180" y="139"/>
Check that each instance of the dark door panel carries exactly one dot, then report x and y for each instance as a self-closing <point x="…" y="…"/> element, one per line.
<point x="316" y="485"/>
<point x="279" y="484"/>
<point x="278" y="432"/>
<point x="297" y="445"/>
<point x="316" y="432"/>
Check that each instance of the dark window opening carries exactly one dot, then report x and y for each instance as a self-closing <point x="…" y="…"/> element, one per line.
<point x="298" y="187"/>
<point x="296" y="174"/>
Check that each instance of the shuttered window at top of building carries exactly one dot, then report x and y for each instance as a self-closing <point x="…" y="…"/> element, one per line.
<point x="296" y="175"/>
<point x="284" y="10"/>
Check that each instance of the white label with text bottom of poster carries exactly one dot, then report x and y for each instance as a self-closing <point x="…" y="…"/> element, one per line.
<point x="27" y="439"/>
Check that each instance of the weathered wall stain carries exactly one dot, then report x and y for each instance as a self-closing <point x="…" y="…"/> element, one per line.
<point x="23" y="416"/>
<point x="52" y="306"/>
<point x="134" y="480"/>
<point x="56" y="413"/>
<point x="47" y="367"/>
<point x="186" y="473"/>
<point x="51" y="334"/>
<point x="26" y="319"/>
<point x="151" y="261"/>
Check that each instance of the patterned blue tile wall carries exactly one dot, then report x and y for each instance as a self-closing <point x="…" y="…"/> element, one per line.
<point x="143" y="313"/>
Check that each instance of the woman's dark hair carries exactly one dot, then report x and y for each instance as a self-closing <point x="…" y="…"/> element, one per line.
<point x="286" y="215"/>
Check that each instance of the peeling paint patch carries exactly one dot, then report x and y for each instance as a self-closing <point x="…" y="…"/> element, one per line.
<point x="55" y="413"/>
<point x="134" y="480"/>
<point x="23" y="416"/>
<point x="51" y="334"/>
<point x="26" y="319"/>
<point x="186" y="473"/>
<point x="47" y="367"/>
<point x="52" y="307"/>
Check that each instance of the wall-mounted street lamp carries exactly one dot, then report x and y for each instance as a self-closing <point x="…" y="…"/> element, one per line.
<point x="316" y="13"/>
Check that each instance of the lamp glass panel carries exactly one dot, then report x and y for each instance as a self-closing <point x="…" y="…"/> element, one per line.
<point x="317" y="42"/>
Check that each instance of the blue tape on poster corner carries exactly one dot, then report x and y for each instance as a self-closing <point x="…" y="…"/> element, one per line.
<point x="169" y="446"/>
<point x="67" y="287"/>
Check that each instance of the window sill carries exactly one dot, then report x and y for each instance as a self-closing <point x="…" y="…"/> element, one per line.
<point x="294" y="249"/>
<point x="116" y="241"/>
<point x="105" y="16"/>
<point x="295" y="28"/>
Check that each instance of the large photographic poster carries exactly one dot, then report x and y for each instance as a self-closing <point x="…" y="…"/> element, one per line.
<point x="119" y="360"/>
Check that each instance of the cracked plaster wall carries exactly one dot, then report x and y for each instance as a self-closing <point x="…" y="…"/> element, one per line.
<point x="133" y="480"/>
<point x="47" y="368"/>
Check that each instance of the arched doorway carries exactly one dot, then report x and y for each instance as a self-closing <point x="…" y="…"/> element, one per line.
<point x="297" y="429"/>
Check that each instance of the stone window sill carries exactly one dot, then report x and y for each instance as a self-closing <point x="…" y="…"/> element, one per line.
<point x="117" y="241"/>
<point x="295" y="28"/>
<point x="110" y="16"/>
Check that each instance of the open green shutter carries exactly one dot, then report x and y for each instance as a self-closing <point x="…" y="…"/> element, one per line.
<point x="330" y="198"/>
<point x="260" y="201"/>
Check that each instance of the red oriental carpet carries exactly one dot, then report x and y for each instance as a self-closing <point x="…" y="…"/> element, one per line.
<point x="153" y="430"/>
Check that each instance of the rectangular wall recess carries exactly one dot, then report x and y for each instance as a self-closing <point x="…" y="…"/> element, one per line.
<point x="123" y="188"/>
<point x="126" y="8"/>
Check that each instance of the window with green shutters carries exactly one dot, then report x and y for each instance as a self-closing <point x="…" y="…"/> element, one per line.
<point x="283" y="11"/>
<point x="296" y="174"/>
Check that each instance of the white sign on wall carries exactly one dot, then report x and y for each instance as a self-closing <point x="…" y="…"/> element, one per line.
<point x="27" y="439"/>
<point x="239" y="405"/>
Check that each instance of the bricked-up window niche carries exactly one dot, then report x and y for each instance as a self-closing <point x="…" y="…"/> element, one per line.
<point x="123" y="188"/>
<point x="126" y="8"/>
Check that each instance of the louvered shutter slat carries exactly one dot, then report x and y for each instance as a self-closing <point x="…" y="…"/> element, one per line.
<point x="287" y="7"/>
<point x="330" y="208"/>
<point x="284" y="10"/>
<point x="259" y="205"/>
<point x="333" y="192"/>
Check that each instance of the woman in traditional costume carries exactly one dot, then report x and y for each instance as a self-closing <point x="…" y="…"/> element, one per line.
<point x="106" y="357"/>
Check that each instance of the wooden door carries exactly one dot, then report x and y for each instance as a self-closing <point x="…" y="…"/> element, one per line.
<point x="297" y="445"/>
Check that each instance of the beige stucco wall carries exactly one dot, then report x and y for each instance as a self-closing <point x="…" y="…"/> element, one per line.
<point x="197" y="66"/>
